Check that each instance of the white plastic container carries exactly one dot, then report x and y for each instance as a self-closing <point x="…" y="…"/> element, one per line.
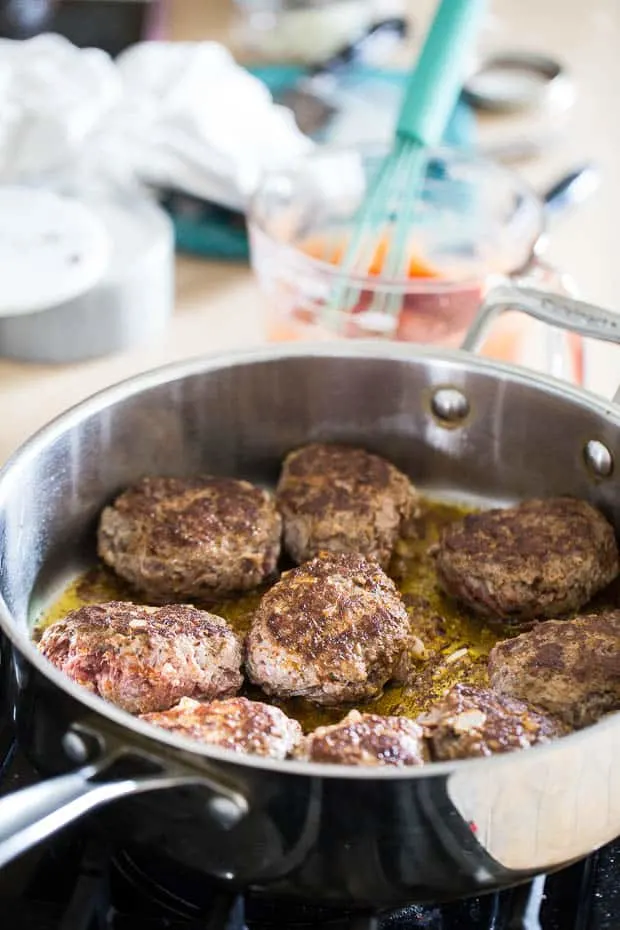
<point x="127" y="304"/>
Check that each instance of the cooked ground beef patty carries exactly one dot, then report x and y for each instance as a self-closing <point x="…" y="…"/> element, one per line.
<point x="146" y="658"/>
<point x="470" y="721"/>
<point x="175" y="539"/>
<point x="571" y="668"/>
<point x="237" y="723"/>
<point x="340" y="499"/>
<point x="542" y="558"/>
<point x="365" y="739"/>
<point x="332" y="630"/>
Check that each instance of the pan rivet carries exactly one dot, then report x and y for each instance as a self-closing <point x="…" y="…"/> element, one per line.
<point x="450" y="405"/>
<point x="598" y="458"/>
<point x="75" y="747"/>
<point x="226" y="810"/>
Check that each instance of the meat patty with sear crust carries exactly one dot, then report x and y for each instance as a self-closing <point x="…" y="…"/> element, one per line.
<point x="542" y="558"/>
<point x="236" y="723"/>
<point x="179" y="539"/>
<point x="365" y="739"/>
<point x="340" y="499"/>
<point x="145" y="658"/>
<point x="571" y="668"/>
<point x="470" y="721"/>
<point x="332" y="630"/>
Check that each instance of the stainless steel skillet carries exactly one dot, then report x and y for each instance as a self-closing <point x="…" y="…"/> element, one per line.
<point x="359" y="837"/>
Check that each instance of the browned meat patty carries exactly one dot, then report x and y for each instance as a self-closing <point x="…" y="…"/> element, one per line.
<point x="237" y="724"/>
<point x="470" y="721"/>
<point x="146" y="658"/>
<point x="571" y="668"/>
<point x="176" y="539"/>
<point x="339" y="499"/>
<point x="366" y="739"/>
<point x="331" y="630"/>
<point x="541" y="558"/>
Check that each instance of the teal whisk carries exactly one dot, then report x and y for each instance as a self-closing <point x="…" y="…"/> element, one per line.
<point x="389" y="206"/>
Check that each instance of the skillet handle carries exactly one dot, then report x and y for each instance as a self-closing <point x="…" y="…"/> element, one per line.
<point x="33" y="814"/>
<point x="554" y="309"/>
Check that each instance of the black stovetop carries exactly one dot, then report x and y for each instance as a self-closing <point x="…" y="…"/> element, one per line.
<point x="78" y="882"/>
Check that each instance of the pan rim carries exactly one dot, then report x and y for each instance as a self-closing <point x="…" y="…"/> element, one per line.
<point x="456" y="359"/>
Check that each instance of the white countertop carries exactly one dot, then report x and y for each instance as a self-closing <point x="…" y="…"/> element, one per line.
<point x="217" y="304"/>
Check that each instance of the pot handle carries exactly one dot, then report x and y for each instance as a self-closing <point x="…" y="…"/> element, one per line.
<point x="554" y="309"/>
<point x="33" y="814"/>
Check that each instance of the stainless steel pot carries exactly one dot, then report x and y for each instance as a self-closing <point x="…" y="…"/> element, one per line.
<point x="457" y="424"/>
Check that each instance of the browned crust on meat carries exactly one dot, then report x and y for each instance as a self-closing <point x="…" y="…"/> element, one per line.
<point x="571" y="668"/>
<point x="342" y="499"/>
<point x="145" y="658"/>
<point x="322" y="593"/>
<point x="337" y="615"/>
<point x="237" y="724"/>
<point x="539" y="559"/>
<point x="471" y="721"/>
<point x="123" y="618"/>
<point x="203" y="537"/>
<point x="366" y="739"/>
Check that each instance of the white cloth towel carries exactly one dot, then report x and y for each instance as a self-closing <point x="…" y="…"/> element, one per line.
<point x="177" y="114"/>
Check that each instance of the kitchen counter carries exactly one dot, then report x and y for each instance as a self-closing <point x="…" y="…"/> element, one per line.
<point x="217" y="304"/>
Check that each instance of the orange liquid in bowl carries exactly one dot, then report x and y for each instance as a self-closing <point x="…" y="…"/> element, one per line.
<point x="440" y="317"/>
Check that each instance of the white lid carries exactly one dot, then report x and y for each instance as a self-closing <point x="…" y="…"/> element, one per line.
<point x="52" y="249"/>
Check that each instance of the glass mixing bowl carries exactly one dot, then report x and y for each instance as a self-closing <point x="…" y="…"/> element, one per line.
<point x="473" y="225"/>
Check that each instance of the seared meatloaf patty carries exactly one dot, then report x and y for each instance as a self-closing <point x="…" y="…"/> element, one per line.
<point x="331" y="630"/>
<point x="571" y="668"/>
<point x="541" y="558"/>
<point x="365" y="739"/>
<point x="470" y="721"/>
<point x="176" y="539"/>
<point x="339" y="499"/>
<point x="237" y="724"/>
<point x="145" y="658"/>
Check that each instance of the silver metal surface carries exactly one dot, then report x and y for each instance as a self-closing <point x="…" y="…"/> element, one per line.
<point x="525" y="80"/>
<point x="554" y="309"/>
<point x="75" y="747"/>
<point x="449" y="405"/>
<point x="31" y="815"/>
<point x="239" y="414"/>
<point x="599" y="458"/>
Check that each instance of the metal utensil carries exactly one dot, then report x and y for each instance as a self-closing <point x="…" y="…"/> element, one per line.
<point x="454" y="422"/>
<point x="571" y="190"/>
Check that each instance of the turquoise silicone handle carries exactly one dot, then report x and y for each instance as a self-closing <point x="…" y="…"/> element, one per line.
<point x="437" y="78"/>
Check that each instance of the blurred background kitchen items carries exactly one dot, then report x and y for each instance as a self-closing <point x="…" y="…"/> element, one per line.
<point x="517" y="81"/>
<point x="111" y="25"/>
<point x="385" y="218"/>
<point x="475" y="224"/>
<point x="52" y="249"/>
<point x="72" y="297"/>
<point x="21" y="19"/>
<point x="523" y="100"/>
<point x="65" y="149"/>
<point x="309" y="97"/>
<point x="305" y="31"/>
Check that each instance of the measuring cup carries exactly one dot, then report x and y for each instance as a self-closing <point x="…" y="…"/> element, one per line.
<point x="476" y="224"/>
